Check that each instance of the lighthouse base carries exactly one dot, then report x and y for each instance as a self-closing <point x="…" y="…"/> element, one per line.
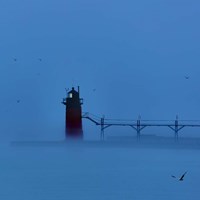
<point x="74" y="134"/>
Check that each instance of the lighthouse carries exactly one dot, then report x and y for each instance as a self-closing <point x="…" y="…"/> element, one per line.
<point x="73" y="116"/>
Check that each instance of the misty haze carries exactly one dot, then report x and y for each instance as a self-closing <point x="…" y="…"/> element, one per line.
<point x="130" y="131"/>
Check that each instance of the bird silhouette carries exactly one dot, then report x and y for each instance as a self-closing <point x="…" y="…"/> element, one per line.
<point x="187" y="77"/>
<point x="181" y="178"/>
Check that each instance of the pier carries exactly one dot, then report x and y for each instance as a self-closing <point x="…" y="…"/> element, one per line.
<point x="139" y="124"/>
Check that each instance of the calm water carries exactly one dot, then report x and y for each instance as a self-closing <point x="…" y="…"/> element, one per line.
<point x="58" y="171"/>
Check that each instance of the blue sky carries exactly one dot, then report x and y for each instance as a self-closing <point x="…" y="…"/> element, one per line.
<point x="134" y="53"/>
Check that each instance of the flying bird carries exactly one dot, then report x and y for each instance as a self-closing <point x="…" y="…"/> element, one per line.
<point x="181" y="178"/>
<point x="187" y="77"/>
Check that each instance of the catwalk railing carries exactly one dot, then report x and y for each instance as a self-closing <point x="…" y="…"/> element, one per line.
<point x="139" y="124"/>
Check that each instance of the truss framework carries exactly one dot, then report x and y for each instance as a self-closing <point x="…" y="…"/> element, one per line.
<point x="138" y="125"/>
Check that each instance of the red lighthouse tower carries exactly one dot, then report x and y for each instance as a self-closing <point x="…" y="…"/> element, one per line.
<point x="73" y="120"/>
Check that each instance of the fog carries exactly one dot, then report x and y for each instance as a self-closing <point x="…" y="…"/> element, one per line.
<point x="129" y="59"/>
<point x="97" y="171"/>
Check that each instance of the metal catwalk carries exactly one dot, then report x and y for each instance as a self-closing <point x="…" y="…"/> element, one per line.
<point x="139" y="124"/>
